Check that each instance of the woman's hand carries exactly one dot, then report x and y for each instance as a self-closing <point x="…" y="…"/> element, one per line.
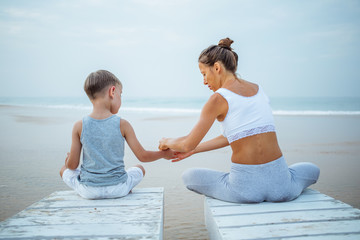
<point x="163" y="144"/>
<point x="182" y="155"/>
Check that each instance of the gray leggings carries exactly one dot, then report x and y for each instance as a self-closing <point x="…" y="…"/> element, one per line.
<point x="272" y="182"/>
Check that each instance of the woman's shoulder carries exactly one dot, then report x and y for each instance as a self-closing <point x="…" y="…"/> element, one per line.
<point x="216" y="104"/>
<point x="218" y="96"/>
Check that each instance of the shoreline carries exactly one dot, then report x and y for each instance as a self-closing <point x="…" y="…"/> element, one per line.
<point x="34" y="142"/>
<point x="183" y="110"/>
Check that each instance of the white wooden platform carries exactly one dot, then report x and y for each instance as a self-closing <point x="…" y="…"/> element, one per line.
<point x="65" y="215"/>
<point x="311" y="216"/>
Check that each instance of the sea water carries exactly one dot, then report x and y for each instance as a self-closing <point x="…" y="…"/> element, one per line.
<point x="280" y="105"/>
<point x="183" y="209"/>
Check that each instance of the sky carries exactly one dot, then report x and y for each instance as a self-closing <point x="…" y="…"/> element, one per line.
<point x="297" y="48"/>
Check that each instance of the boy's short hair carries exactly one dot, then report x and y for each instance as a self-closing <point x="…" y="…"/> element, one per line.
<point x="97" y="81"/>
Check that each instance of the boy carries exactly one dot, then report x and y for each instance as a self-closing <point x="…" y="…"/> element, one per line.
<point x="101" y="136"/>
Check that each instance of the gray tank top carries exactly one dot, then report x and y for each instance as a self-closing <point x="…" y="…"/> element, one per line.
<point x="103" y="152"/>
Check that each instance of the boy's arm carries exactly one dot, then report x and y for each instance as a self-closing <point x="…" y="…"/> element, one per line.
<point x="73" y="159"/>
<point x="134" y="144"/>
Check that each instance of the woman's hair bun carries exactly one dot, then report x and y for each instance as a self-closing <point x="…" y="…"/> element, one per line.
<point x="225" y="43"/>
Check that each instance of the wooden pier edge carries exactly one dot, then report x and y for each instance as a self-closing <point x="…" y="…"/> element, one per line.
<point x="65" y="215"/>
<point x="312" y="215"/>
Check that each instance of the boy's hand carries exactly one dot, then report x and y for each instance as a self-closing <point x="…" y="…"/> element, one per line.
<point x="169" y="154"/>
<point x="67" y="158"/>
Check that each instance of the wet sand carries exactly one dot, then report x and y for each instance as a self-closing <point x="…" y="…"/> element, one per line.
<point x="34" y="142"/>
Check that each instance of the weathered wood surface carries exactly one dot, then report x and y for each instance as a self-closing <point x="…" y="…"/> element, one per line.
<point x="65" y="215"/>
<point x="312" y="215"/>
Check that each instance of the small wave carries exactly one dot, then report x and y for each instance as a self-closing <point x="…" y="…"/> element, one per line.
<point x="275" y="112"/>
<point x="55" y="106"/>
<point x="77" y="107"/>
<point x="162" y="110"/>
<point x="315" y="113"/>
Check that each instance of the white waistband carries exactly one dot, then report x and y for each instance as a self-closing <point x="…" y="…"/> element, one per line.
<point x="251" y="132"/>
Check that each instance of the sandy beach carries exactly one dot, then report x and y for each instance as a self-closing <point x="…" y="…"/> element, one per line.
<point x="34" y="142"/>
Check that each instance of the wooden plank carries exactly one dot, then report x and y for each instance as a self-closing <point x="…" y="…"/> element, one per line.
<point x="308" y="195"/>
<point x="335" y="228"/>
<point x="130" y="200"/>
<point x="354" y="236"/>
<point x="289" y="217"/>
<point x="311" y="216"/>
<point x="92" y="215"/>
<point x="65" y="215"/>
<point x="277" y="207"/>
<point x="82" y="230"/>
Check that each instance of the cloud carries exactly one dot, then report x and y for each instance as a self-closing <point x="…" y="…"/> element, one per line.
<point x="341" y="33"/>
<point x="22" y="13"/>
<point x="28" y="14"/>
<point x="273" y="39"/>
<point x="161" y="3"/>
<point x="83" y="4"/>
<point x="22" y="21"/>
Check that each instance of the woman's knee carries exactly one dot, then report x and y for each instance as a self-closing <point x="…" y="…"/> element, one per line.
<point x="306" y="170"/>
<point x="202" y="176"/>
<point x="315" y="170"/>
<point x="188" y="176"/>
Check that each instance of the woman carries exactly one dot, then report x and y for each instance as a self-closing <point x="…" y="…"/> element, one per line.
<point x="258" y="169"/>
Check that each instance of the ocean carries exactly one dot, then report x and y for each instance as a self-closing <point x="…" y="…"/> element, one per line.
<point x="281" y="105"/>
<point x="34" y="140"/>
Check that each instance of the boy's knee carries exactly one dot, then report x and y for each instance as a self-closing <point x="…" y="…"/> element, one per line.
<point x="62" y="171"/>
<point x="142" y="168"/>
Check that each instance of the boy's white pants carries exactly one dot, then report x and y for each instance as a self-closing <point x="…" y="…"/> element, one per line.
<point x="70" y="177"/>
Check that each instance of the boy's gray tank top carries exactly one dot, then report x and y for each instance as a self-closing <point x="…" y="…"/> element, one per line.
<point x="103" y="152"/>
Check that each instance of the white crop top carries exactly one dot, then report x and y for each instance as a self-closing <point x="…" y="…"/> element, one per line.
<point x="246" y="116"/>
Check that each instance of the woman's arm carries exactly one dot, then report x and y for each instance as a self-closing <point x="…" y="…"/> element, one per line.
<point x="215" y="143"/>
<point x="73" y="158"/>
<point x="134" y="144"/>
<point x="215" y="107"/>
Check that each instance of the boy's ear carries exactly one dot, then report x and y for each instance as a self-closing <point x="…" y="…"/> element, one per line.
<point x="112" y="91"/>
